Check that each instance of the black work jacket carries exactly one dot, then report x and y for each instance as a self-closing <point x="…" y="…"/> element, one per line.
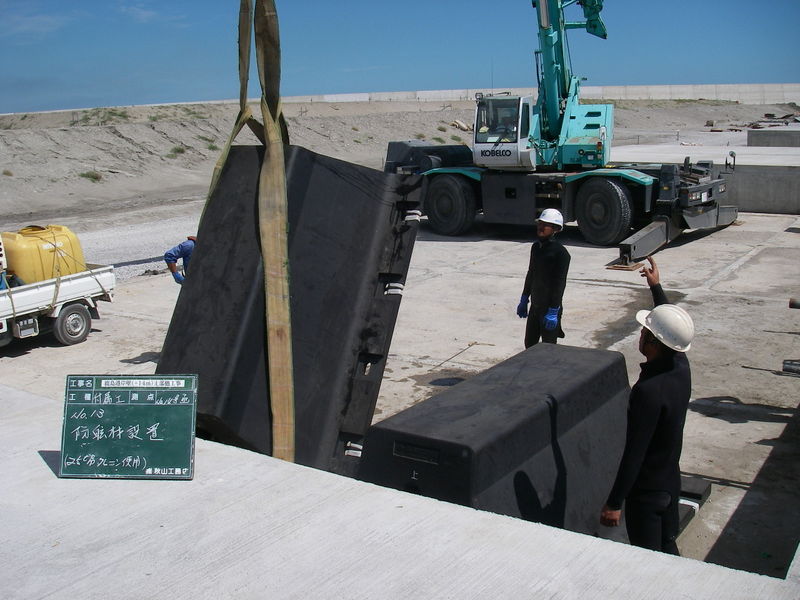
<point x="547" y="274"/>
<point x="656" y="416"/>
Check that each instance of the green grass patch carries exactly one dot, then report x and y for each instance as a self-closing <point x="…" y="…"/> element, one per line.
<point x="92" y="176"/>
<point x="419" y="136"/>
<point x="7" y="173"/>
<point x="176" y="151"/>
<point x="102" y="116"/>
<point x="456" y="138"/>
<point x="442" y="128"/>
<point x="205" y="138"/>
<point x="212" y="147"/>
<point x="354" y="128"/>
<point x="191" y="112"/>
<point x="440" y="140"/>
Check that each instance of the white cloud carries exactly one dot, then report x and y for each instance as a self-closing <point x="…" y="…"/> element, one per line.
<point x="138" y="13"/>
<point x="22" y="24"/>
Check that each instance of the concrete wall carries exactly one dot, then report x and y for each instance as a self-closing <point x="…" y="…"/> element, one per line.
<point x="758" y="188"/>
<point x="754" y="93"/>
<point x="774" y="138"/>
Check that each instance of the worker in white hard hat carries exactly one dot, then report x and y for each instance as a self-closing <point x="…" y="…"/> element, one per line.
<point x="649" y="479"/>
<point x="545" y="282"/>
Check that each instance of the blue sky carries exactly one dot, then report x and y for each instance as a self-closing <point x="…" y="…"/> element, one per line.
<point x="68" y="54"/>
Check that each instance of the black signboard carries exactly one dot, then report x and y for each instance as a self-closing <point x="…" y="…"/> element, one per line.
<point x="129" y="426"/>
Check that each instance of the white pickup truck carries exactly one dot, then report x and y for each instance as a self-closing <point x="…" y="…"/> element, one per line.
<point x="64" y="305"/>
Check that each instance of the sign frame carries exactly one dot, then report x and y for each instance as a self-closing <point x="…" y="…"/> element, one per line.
<point x="129" y="427"/>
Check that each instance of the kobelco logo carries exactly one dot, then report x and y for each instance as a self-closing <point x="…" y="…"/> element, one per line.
<point x="495" y="152"/>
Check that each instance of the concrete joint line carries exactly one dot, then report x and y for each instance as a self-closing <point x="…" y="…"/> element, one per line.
<point x="423" y="362"/>
<point x="134" y="316"/>
<point x="733" y="267"/>
<point x="470" y="345"/>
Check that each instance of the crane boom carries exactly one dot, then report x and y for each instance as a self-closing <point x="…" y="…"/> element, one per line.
<point x="556" y="81"/>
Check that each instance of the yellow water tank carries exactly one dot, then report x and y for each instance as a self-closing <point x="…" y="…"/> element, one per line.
<point x="35" y="253"/>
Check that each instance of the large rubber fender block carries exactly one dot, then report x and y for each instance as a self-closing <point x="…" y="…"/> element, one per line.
<point x="538" y="436"/>
<point x="351" y="234"/>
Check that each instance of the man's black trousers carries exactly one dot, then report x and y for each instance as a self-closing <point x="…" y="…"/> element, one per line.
<point x="534" y="329"/>
<point x="652" y="521"/>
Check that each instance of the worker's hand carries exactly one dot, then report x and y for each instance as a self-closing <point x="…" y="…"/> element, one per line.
<point x="551" y="319"/>
<point x="178" y="277"/>
<point x="609" y="517"/>
<point x="522" y="307"/>
<point x="651" y="274"/>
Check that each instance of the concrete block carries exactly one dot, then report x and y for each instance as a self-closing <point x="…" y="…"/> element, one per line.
<point x="764" y="189"/>
<point x="774" y="137"/>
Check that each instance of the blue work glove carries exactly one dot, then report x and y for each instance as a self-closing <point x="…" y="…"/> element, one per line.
<point x="522" y="307"/>
<point x="178" y="277"/>
<point x="551" y="319"/>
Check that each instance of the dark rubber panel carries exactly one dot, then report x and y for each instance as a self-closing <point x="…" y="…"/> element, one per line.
<point x="348" y="240"/>
<point x="538" y="436"/>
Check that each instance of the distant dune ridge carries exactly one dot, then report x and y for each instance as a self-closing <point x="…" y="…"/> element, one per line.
<point x="142" y="155"/>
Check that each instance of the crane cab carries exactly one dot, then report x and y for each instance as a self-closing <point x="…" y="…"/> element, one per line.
<point x="505" y="127"/>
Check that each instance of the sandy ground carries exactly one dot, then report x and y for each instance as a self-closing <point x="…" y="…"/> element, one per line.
<point x="131" y="157"/>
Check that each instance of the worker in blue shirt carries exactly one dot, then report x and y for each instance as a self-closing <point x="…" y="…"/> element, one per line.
<point x="182" y="251"/>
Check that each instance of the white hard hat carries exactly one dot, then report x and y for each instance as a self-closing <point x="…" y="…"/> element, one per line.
<point x="670" y="324"/>
<point x="552" y="216"/>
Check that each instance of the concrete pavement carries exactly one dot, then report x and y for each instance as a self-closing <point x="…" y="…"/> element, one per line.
<point x="250" y="526"/>
<point x="248" y="523"/>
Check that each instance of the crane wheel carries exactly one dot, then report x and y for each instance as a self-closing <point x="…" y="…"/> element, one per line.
<point x="603" y="209"/>
<point x="450" y="205"/>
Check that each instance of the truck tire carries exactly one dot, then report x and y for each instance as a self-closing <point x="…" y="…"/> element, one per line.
<point x="603" y="209"/>
<point x="450" y="205"/>
<point x="72" y="324"/>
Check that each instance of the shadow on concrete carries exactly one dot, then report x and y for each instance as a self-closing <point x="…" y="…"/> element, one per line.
<point x="144" y="357"/>
<point x="763" y="534"/>
<point x="773" y="371"/>
<point x="446" y="381"/>
<point x="733" y="410"/>
<point x="21" y="347"/>
<point x="480" y="231"/>
<point x="528" y="503"/>
<point x="690" y="236"/>
<point x="140" y="261"/>
<point x="742" y="485"/>
<point x="52" y="459"/>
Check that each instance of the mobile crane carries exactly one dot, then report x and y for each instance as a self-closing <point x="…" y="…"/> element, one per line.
<point x="551" y="151"/>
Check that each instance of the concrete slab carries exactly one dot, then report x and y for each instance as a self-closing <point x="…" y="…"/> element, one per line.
<point x="252" y="526"/>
